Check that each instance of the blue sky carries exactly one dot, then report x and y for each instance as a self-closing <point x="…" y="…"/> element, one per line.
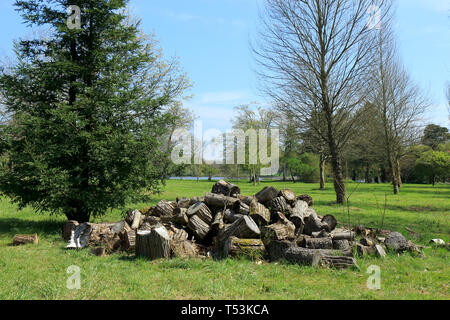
<point x="211" y="38"/>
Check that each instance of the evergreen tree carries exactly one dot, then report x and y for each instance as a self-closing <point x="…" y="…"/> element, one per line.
<point x="87" y="109"/>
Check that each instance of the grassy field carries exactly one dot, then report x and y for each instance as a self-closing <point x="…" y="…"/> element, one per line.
<point x="40" y="272"/>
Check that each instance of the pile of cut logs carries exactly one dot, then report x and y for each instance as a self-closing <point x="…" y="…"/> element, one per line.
<point x="272" y="223"/>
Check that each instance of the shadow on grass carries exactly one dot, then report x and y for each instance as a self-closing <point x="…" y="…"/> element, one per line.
<point x="13" y="226"/>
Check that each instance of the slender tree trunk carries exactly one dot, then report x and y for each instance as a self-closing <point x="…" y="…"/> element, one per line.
<point x="322" y="171"/>
<point x="399" y="174"/>
<point x="336" y="163"/>
<point x="284" y="172"/>
<point x="394" y="175"/>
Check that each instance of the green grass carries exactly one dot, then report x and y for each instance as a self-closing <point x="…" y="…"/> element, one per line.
<point x="39" y="272"/>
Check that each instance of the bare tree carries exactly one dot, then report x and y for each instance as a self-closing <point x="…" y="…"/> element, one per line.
<point x="315" y="58"/>
<point x="399" y="104"/>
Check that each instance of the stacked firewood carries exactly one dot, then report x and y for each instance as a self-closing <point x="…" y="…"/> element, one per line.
<point x="275" y="223"/>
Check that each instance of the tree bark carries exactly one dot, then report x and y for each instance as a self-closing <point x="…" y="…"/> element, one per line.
<point x="154" y="244"/>
<point x="21" y="239"/>
<point x="322" y="171"/>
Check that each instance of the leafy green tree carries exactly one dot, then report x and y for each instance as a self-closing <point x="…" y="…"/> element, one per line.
<point x="87" y="110"/>
<point x="434" y="166"/>
<point x="305" y="167"/>
<point x="435" y="135"/>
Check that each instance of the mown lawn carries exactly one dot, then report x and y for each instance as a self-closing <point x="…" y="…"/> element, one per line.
<point x="40" y="272"/>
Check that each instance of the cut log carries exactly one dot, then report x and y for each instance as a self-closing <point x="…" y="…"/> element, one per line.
<point x="21" y="239"/>
<point x="80" y="237"/>
<point x="307" y="198"/>
<point x="282" y="230"/>
<point x="177" y="234"/>
<point x="198" y="227"/>
<point x="279" y="204"/>
<point x="242" y="228"/>
<point x="240" y="207"/>
<point x="246" y="199"/>
<point x="267" y="194"/>
<point x="133" y="217"/>
<point x="154" y="244"/>
<point x="310" y="257"/>
<point x="230" y="217"/>
<point x="338" y="262"/>
<point x="183" y="203"/>
<point x="298" y="214"/>
<point x="259" y="213"/>
<point x="330" y="222"/>
<point x="202" y="211"/>
<point x="164" y="209"/>
<point x="245" y="246"/>
<point x="150" y="222"/>
<point x="226" y="189"/>
<point x="128" y="239"/>
<point x="180" y="216"/>
<point x="184" y="249"/>
<point x="218" y="222"/>
<point x="288" y="195"/>
<point x="350" y="236"/>
<point x="277" y="249"/>
<point x="312" y="222"/>
<point x="67" y="229"/>
<point x="319" y="243"/>
<point x="219" y="200"/>
<point x="343" y="245"/>
<point x="364" y="251"/>
<point x="103" y="235"/>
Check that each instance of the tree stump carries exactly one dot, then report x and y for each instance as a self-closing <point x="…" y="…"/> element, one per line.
<point x="226" y="189"/>
<point x="266" y="194"/>
<point x="21" y="239"/>
<point x="153" y="244"/>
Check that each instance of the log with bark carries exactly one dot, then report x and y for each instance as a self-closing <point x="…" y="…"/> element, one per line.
<point x="266" y="194"/>
<point x="259" y="213"/>
<point x="153" y="244"/>
<point x="338" y="262"/>
<point x="276" y="249"/>
<point x="281" y="230"/>
<point x="226" y="189"/>
<point x="307" y="198"/>
<point x="231" y="217"/>
<point x="240" y="207"/>
<point x="219" y="200"/>
<point x="349" y="235"/>
<point x="319" y="243"/>
<point x="288" y="195"/>
<point x="180" y="216"/>
<point x="67" y="229"/>
<point x="312" y="222"/>
<point x="298" y="214"/>
<point x="133" y="219"/>
<point x="22" y="239"/>
<point x="128" y="239"/>
<point x="218" y="222"/>
<point x="198" y="227"/>
<point x="184" y="249"/>
<point x="330" y="222"/>
<point x="279" y="204"/>
<point x="245" y="246"/>
<point x="164" y="209"/>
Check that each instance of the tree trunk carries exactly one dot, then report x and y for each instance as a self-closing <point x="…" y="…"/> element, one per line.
<point x="322" y="171"/>
<point x="154" y="244"/>
<point x="339" y="186"/>
<point x="366" y="175"/>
